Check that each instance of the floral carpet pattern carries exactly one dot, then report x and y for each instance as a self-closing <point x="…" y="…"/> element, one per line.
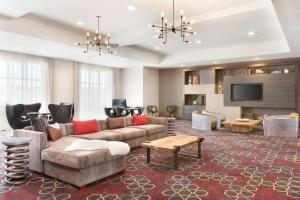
<point x="233" y="166"/>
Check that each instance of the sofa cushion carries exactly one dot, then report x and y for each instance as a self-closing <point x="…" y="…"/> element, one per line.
<point x="101" y="135"/>
<point x="128" y="121"/>
<point x="55" y="153"/>
<point x="103" y="124"/>
<point x="54" y="132"/>
<point x="130" y="133"/>
<point x="139" y="120"/>
<point x="84" y="127"/>
<point x="151" y="128"/>
<point x="114" y="123"/>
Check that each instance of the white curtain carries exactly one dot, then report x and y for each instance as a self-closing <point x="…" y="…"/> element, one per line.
<point x="95" y="90"/>
<point x="23" y="79"/>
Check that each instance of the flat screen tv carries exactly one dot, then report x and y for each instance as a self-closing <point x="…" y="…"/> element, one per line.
<point x="247" y="92"/>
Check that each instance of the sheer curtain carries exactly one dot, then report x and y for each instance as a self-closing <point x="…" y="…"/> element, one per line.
<point x="95" y="90"/>
<point x="23" y="79"/>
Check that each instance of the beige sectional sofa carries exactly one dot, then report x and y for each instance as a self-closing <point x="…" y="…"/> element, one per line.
<point x="83" y="167"/>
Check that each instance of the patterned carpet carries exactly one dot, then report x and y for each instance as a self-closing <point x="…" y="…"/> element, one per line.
<point x="233" y="166"/>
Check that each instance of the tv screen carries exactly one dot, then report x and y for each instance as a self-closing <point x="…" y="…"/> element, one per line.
<point x="247" y="92"/>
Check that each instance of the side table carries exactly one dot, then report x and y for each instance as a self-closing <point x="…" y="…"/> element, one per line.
<point x="17" y="159"/>
<point x="171" y="125"/>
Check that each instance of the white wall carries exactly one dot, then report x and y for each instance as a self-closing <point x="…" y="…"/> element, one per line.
<point x="63" y="81"/>
<point x="151" y="87"/>
<point x="133" y="86"/>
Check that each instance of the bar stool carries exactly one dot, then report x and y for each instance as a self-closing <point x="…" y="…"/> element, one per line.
<point x="17" y="159"/>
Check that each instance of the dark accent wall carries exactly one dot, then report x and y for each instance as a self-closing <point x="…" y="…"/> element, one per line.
<point x="278" y="90"/>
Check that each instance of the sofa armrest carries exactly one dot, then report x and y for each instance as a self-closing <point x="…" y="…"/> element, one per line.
<point x="37" y="144"/>
<point x="158" y="120"/>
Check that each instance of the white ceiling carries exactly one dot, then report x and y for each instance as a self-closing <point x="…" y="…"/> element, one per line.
<point x="222" y="26"/>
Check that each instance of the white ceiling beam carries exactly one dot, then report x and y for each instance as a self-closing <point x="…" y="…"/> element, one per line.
<point x="24" y="44"/>
<point x="255" y="49"/>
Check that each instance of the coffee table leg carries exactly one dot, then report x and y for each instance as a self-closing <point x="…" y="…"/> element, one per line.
<point x="177" y="149"/>
<point x="148" y="155"/>
<point x="199" y="148"/>
<point x="200" y="140"/>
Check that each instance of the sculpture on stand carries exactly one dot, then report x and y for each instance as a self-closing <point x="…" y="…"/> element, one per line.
<point x="171" y="109"/>
<point x="152" y="110"/>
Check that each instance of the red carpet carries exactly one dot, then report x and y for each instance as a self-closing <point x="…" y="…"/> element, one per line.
<point x="233" y="166"/>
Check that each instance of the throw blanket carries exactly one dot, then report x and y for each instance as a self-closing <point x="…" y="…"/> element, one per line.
<point x="115" y="148"/>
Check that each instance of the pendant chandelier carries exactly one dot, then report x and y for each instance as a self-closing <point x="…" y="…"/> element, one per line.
<point x="97" y="42"/>
<point x="184" y="27"/>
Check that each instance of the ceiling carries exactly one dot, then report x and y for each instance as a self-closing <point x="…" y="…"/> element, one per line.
<point x="50" y="29"/>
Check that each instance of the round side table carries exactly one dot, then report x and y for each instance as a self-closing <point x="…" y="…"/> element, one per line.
<point x="17" y="159"/>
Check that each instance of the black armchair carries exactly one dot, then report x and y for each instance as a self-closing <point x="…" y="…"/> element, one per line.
<point x="61" y="113"/>
<point x="17" y="114"/>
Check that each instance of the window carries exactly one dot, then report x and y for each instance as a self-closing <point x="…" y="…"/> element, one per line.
<point x="96" y="90"/>
<point x="23" y="79"/>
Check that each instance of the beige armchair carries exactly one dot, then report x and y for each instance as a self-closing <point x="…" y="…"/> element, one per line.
<point x="203" y="122"/>
<point x="281" y="125"/>
<point x="220" y="118"/>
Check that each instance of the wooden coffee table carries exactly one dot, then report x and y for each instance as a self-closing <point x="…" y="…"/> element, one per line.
<point x="173" y="144"/>
<point x="241" y="127"/>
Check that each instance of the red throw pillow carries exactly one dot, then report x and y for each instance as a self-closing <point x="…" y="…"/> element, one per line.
<point x="139" y="120"/>
<point x="83" y="127"/>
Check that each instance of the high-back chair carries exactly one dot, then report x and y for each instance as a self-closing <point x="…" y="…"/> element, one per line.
<point x="17" y="114"/>
<point x="61" y="113"/>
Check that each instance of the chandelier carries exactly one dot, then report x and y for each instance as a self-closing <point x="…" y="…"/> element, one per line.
<point x="184" y="28"/>
<point x="97" y="42"/>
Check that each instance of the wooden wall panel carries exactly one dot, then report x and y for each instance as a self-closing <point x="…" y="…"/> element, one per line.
<point x="278" y="90"/>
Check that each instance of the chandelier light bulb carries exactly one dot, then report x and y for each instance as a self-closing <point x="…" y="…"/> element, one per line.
<point x="166" y="20"/>
<point x="192" y="22"/>
<point x="149" y="25"/>
<point x="87" y="34"/>
<point x="189" y="28"/>
<point x="183" y="19"/>
<point x="181" y="12"/>
<point x="99" y="37"/>
<point x="194" y="33"/>
<point x="95" y="38"/>
<point x="162" y="14"/>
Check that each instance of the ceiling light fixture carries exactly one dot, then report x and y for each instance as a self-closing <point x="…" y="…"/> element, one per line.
<point x="97" y="42"/>
<point x="80" y="22"/>
<point x="184" y="28"/>
<point x="131" y="7"/>
<point x="251" y="33"/>
<point x="198" y="41"/>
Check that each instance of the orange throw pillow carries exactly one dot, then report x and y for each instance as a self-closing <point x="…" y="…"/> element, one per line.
<point x="114" y="123"/>
<point x="54" y="132"/>
<point x="139" y="120"/>
<point x="84" y="127"/>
